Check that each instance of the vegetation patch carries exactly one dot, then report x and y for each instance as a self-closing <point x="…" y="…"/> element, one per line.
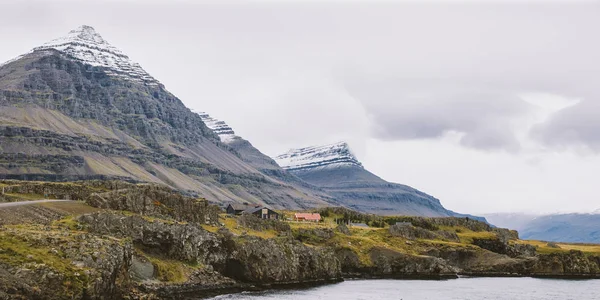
<point x="169" y="270"/>
<point x="544" y="247"/>
<point x="19" y="253"/>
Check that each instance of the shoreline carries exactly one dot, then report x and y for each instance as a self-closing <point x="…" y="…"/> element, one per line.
<point x="230" y="290"/>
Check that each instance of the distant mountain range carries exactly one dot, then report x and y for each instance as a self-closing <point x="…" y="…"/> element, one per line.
<point x="78" y="108"/>
<point x="573" y="228"/>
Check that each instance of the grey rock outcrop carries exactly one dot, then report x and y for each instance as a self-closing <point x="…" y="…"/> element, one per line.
<point x="246" y="258"/>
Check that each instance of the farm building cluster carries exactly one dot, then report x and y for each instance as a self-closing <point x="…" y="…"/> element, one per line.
<point x="265" y="212"/>
<point x="260" y="211"/>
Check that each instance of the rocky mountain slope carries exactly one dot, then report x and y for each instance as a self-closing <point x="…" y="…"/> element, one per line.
<point x="337" y="171"/>
<point x="78" y="108"/>
<point x="571" y="228"/>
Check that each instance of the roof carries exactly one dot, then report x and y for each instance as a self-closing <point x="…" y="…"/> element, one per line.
<point x="308" y="216"/>
<point x="243" y="206"/>
<point x="255" y="209"/>
<point x="359" y="225"/>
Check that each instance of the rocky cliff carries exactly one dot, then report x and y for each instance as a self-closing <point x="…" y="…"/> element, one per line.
<point x="150" y="254"/>
<point x="78" y="108"/>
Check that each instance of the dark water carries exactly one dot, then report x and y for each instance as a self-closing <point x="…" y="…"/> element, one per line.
<point x="458" y="289"/>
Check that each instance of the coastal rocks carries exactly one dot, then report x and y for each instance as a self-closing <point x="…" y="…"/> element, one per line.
<point x="184" y="242"/>
<point x="386" y="263"/>
<point x="51" y="263"/>
<point x="159" y="201"/>
<point x="250" y="259"/>
<point x="203" y="283"/>
<point x="280" y="261"/>
<point x="349" y="261"/>
<point x="574" y="263"/>
<point x="395" y="264"/>
<point x="500" y="246"/>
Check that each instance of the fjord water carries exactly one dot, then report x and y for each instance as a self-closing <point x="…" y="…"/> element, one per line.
<point x="458" y="289"/>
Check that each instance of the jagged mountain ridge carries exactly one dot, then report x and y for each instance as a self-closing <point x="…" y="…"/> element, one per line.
<point x="335" y="169"/>
<point x="337" y="154"/>
<point x="78" y="108"/>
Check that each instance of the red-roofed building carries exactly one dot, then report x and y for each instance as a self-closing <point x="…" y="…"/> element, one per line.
<point x="308" y="217"/>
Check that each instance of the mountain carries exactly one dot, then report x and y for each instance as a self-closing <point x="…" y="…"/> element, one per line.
<point x="338" y="172"/>
<point x="569" y="228"/>
<point x="257" y="159"/>
<point x="78" y="108"/>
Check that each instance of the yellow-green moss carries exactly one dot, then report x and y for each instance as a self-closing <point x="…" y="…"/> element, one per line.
<point x="16" y="252"/>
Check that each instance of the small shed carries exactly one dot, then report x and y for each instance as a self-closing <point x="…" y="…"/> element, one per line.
<point x="262" y="212"/>
<point x="307" y="217"/>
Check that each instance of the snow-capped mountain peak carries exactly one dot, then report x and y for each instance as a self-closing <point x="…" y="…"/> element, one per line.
<point x="85" y="45"/>
<point x="334" y="155"/>
<point x="220" y="128"/>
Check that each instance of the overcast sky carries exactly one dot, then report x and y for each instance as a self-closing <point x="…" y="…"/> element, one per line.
<point x="489" y="107"/>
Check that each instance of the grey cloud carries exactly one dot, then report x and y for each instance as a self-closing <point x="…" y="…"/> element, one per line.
<point x="211" y="55"/>
<point x="405" y="109"/>
<point x="577" y="125"/>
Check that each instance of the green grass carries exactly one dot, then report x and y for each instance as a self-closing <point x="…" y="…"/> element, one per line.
<point x="24" y="197"/>
<point x="16" y="252"/>
<point x="232" y="225"/>
<point x="466" y="235"/>
<point x="543" y="248"/>
<point x="169" y="270"/>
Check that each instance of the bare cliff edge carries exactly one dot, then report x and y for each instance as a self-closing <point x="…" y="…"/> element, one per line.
<point x="141" y="241"/>
<point x="78" y="108"/>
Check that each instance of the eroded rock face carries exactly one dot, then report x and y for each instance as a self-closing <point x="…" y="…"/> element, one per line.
<point x="411" y="232"/>
<point x="396" y="264"/>
<point x="94" y="267"/>
<point x="501" y="246"/>
<point x="160" y="201"/>
<point x="391" y="264"/>
<point x="281" y="260"/>
<point x="569" y="263"/>
<point x="184" y="242"/>
<point x="247" y="258"/>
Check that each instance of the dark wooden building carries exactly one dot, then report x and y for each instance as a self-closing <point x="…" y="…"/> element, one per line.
<point x="237" y="209"/>
<point x="262" y="212"/>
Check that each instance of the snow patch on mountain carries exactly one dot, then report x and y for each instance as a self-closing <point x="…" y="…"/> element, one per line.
<point x="85" y="45"/>
<point x="225" y="133"/>
<point x="334" y="155"/>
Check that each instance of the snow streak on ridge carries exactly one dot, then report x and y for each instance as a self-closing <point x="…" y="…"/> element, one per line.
<point x="85" y="45"/>
<point x="334" y="155"/>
